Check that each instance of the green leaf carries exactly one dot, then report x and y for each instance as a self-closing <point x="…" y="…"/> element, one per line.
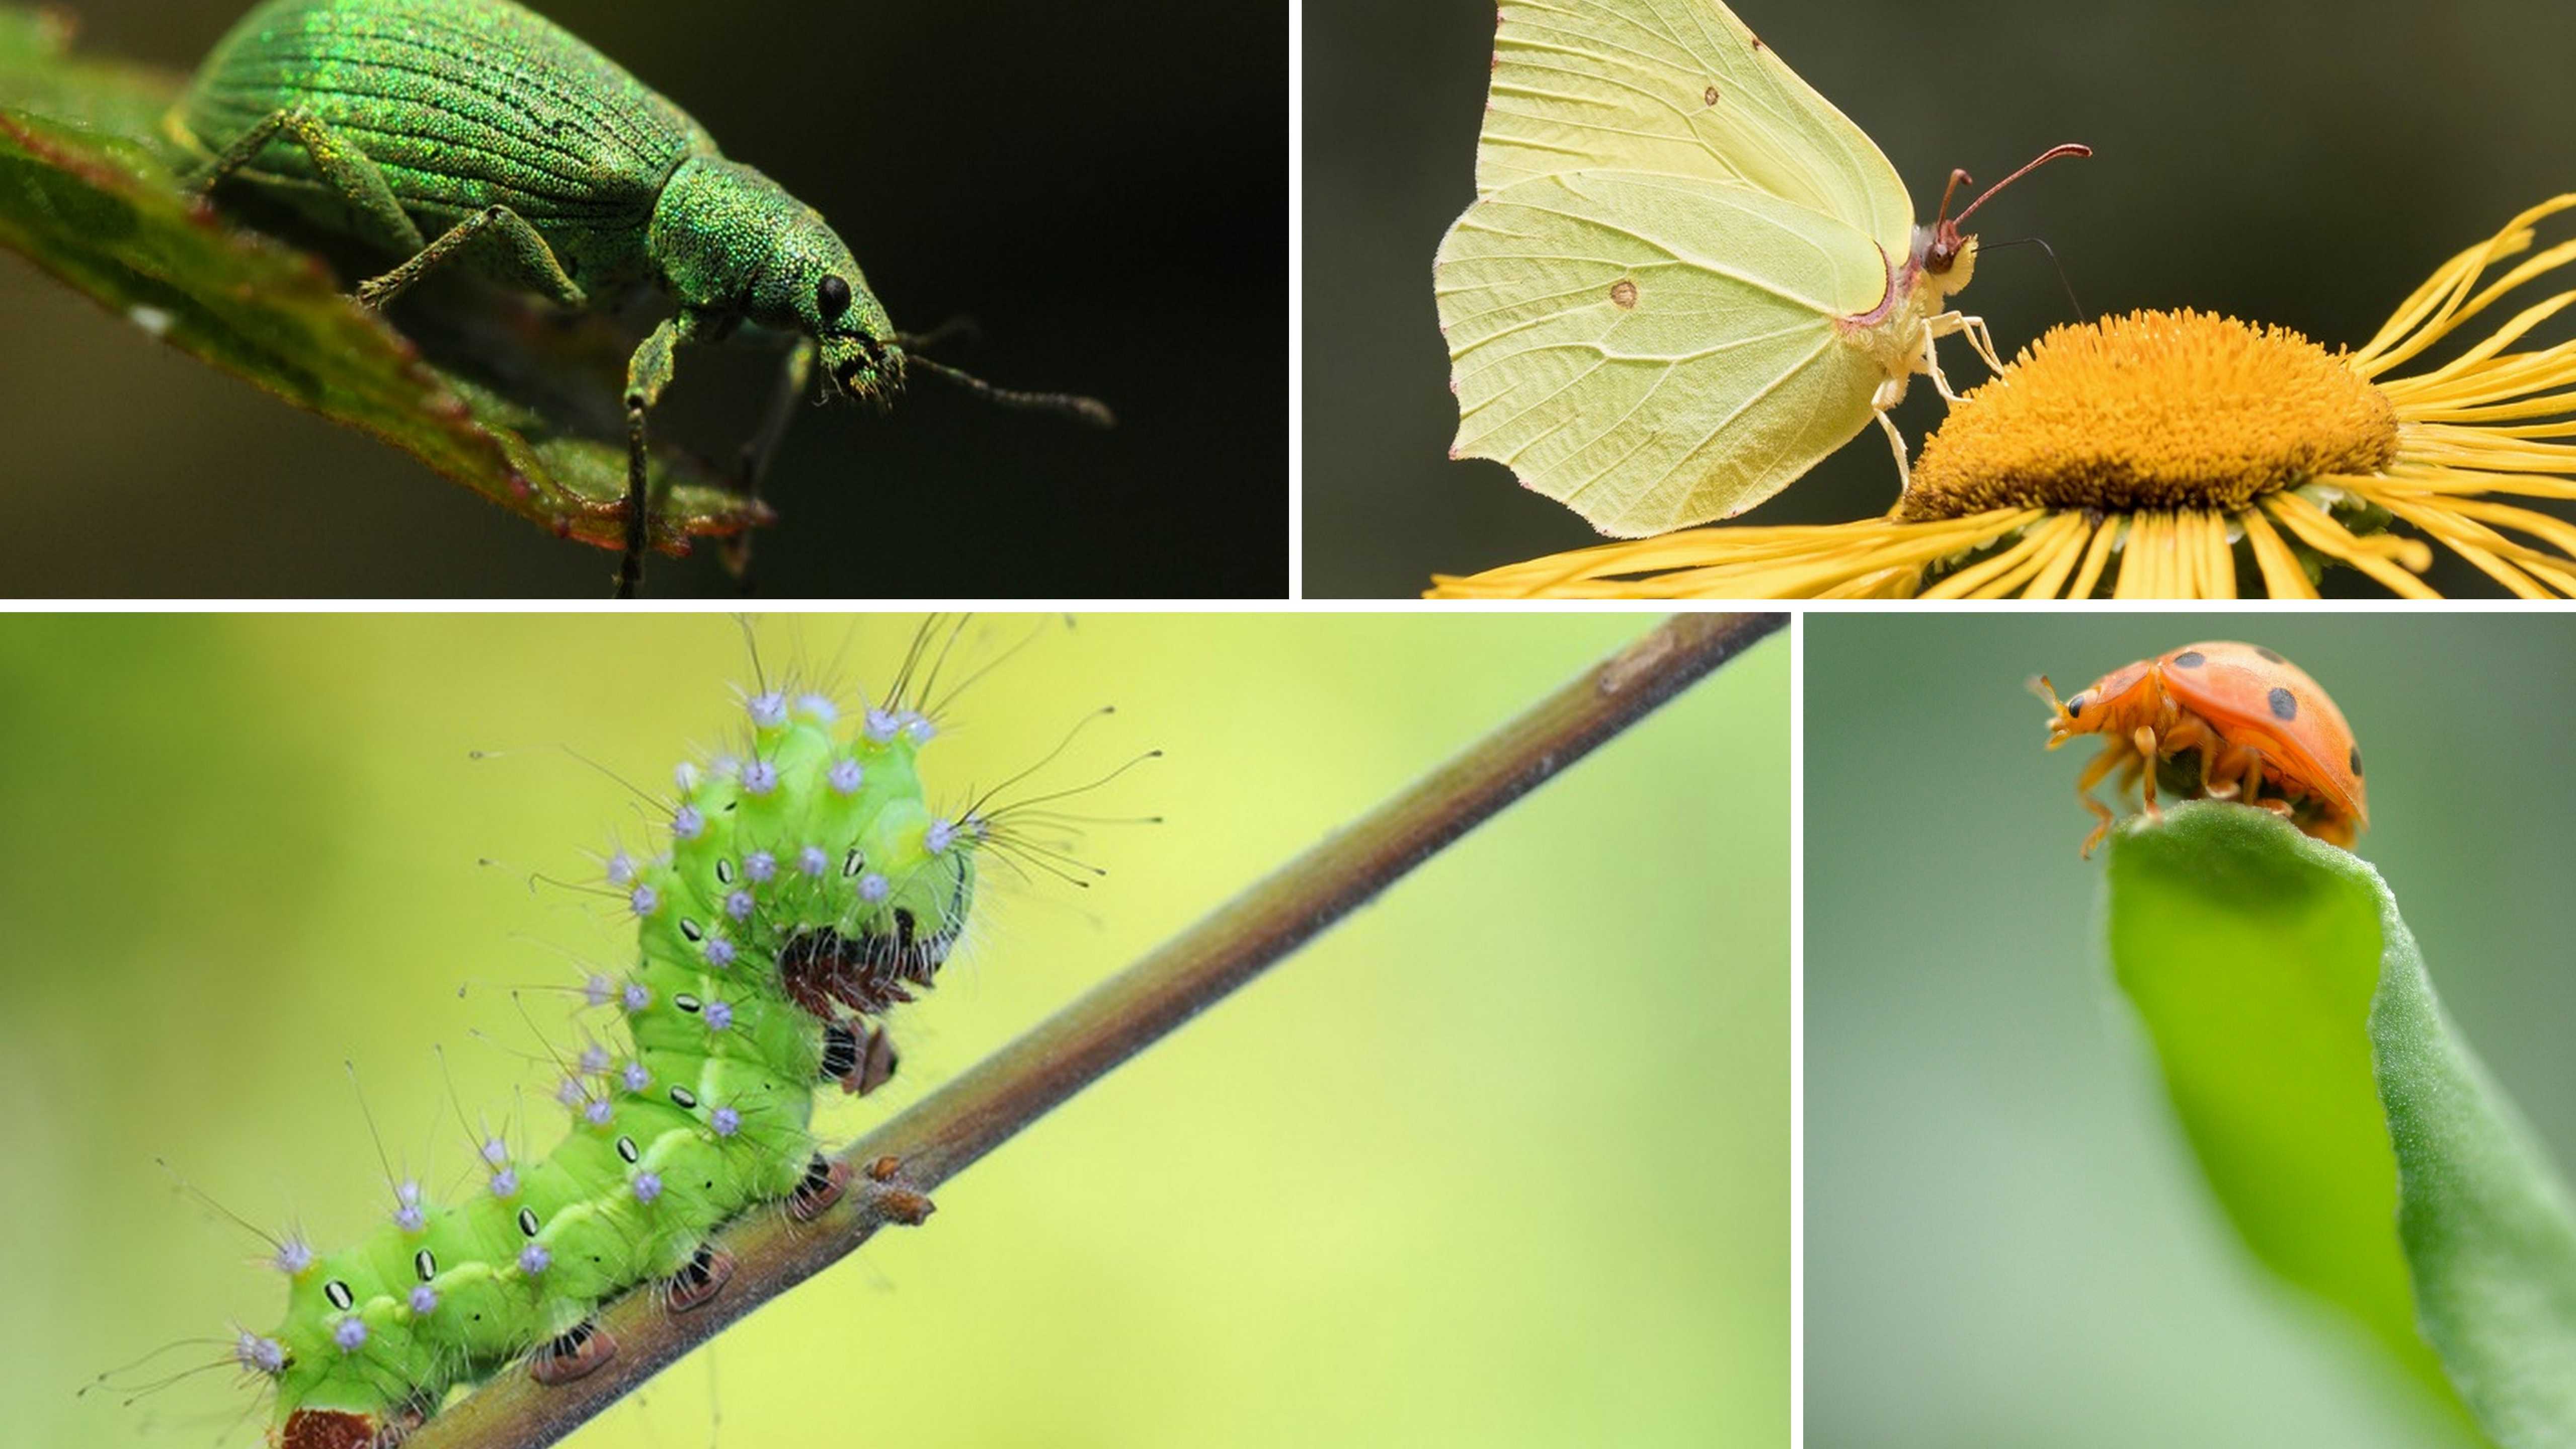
<point x="2351" y="1136"/>
<point x="87" y="193"/>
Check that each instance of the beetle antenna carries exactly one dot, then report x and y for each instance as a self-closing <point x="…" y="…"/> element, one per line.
<point x="960" y="328"/>
<point x="1063" y="404"/>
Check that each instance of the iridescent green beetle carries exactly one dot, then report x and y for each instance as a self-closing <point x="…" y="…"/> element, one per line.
<point x="477" y="128"/>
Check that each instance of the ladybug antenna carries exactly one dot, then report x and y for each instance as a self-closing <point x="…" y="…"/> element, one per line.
<point x="1946" y="238"/>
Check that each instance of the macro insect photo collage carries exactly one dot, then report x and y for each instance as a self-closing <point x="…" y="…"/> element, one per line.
<point x="1725" y="723"/>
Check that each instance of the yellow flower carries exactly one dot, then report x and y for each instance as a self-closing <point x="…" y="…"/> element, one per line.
<point x="2171" y="454"/>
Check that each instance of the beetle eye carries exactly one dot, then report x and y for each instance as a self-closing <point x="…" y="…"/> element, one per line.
<point x="2075" y="706"/>
<point x="832" y="298"/>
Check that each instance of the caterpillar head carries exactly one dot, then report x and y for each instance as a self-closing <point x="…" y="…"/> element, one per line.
<point x="326" y="1358"/>
<point x="814" y="855"/>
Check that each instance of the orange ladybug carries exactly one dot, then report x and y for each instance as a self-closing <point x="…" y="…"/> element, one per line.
<point x="2220" y="721"/>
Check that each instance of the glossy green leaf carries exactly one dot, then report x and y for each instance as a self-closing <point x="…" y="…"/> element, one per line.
<point x="2349" y="1134"/>
<point x="87" y="194"/>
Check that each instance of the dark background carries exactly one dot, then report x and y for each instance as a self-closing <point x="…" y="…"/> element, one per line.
<point x="2304" y="162"/>
<point x="1101" y="187"/>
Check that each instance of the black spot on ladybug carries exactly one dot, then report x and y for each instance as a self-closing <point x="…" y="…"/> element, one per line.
<point x="2190" y="659"/>
<point x="2284" y="704"/>
<point x="2268" y="654"/>
<point x="2356" y="761"/>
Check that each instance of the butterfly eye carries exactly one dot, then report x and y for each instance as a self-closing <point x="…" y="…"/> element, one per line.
<point x="832" y="298"/>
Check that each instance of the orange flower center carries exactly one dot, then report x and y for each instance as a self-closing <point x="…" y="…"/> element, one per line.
<point x="2155" y="410"/>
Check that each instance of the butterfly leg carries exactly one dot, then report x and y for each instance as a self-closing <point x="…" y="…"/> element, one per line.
<point x="1889" y="394"/>
<point x="1984" y="342"/>
<point x="1931" y="360"/>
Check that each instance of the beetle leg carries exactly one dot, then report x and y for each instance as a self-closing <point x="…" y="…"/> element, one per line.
<point x="342" y="167"/>
<point x="523" y="259"/>
<point x="648" y="372"/>
<point x="795" y="376"/>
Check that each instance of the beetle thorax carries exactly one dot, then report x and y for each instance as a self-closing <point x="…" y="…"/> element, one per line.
<point x="719" y="226"/>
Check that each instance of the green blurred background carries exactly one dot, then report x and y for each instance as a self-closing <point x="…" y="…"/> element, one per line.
<point x="2305" y="162"/>
<point x="1102" y="188"/>
<point x="2008" y="1243"/>
<point x="1503" y="1159"/>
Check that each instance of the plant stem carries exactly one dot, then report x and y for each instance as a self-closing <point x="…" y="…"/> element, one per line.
<point x="943" y="1133"/>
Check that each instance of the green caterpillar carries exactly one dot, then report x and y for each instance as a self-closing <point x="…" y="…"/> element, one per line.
<point x="806" y="889"/>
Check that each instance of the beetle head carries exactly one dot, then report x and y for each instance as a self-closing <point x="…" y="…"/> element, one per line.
<point x="815" y="288"/>
<point x="729" y="240"/>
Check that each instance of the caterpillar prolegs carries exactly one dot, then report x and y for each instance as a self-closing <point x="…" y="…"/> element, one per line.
<point x="800" y="889"/>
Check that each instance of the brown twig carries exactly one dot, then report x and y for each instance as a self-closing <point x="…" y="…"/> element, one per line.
<point x="893" y="1168"/>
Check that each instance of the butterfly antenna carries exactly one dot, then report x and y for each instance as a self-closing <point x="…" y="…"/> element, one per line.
<point x="2051" y="154"/>
<point x="1087" y="410"/>
<point x="2062" y="280"/>
<point x="1958" y="177"/>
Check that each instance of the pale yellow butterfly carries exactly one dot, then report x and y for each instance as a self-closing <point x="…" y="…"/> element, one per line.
<point x="1686" y="277"/>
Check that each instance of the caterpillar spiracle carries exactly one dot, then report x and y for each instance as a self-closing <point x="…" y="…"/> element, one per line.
<point x="799" y="889"/>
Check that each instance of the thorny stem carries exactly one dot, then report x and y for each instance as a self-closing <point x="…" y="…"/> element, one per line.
<point x="943" y="1133"/>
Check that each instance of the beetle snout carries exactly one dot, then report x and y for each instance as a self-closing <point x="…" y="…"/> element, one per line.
<point x="864" y="366"/>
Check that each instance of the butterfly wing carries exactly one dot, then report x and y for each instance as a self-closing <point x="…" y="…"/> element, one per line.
<point x="1655" y="351"/>
<point x="1680" y="87"/>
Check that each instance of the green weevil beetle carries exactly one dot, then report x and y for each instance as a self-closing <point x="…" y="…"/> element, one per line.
<point x="481" y="132"/>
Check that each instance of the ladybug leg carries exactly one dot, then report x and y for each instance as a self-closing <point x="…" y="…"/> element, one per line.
<point x="2145" y="739"/>
<point x="2102" y="763"/>
<point x="2190" y="732"/>
<point x="2094" y="840"/>
<point x="2223" y="769"/>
